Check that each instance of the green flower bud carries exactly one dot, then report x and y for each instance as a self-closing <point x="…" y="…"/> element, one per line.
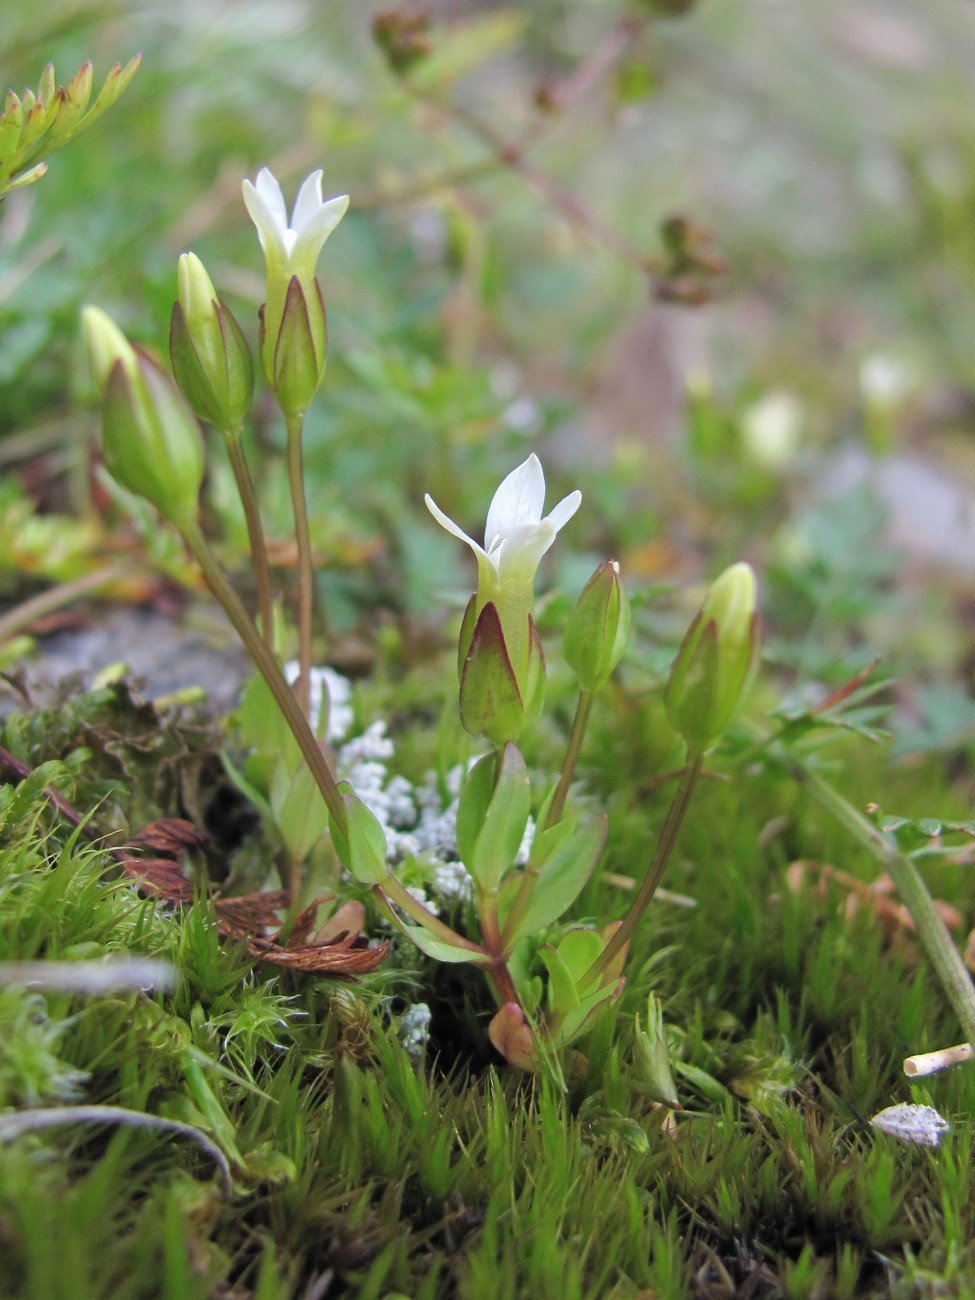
<point x="210" y="355"/>
<point x="150" y="437"/>
<point x="651" y="1074"/>
<point x="598" y="628"/>
<point x="294" y="359"/>
<point x="716" y="662"/>
<point x="106" y="344"/>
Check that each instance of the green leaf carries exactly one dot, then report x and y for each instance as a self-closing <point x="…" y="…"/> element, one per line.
<point x="579" y="949"/>
<point x="472" y="806"/>
<point x="438" y="949"/>
<point x="361" y="846"/>
<point x="503" y="826"/>
<point x="563" y="996"/>
<point x="562" y="878"/>
<point x="299" y="810"/>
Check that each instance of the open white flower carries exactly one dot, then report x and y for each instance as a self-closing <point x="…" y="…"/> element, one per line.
<point x="293" y="332"/>
<point x="292" y="249"/>
<point x="515" y="539"/>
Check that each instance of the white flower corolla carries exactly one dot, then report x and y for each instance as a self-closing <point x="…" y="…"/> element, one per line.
<point x="515" y="539"/>
<point x="292" y="248"/>
<point x="293" y="349"/>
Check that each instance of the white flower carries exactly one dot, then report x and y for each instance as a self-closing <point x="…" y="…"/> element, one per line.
<point x="515" y="539"/>
<point x="292" y="249"/>
<point x="293" y="332"/>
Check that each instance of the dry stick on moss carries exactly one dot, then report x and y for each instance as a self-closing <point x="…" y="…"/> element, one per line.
<point x="29" y="1121"/>
<point x="22" y="615"/>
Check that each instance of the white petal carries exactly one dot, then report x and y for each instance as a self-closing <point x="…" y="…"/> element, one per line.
<point x="522" y="549"/>
<point x="519" y="500"/>
<point x="268" y="230"/>
<point x="270" y="191"/>
<point x="446" y="522"/>
<point x="312" y="235"/>
<point x="308" y="202"/>
<point x="563" y="512"/>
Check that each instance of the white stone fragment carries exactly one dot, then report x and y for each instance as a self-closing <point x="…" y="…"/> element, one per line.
<point x="908" y="1122"/>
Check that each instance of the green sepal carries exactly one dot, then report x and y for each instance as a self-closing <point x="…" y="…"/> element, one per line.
<point x="361" y="844"/>
<point x="534" y="686"/>
<point x="598" y="628"/>
<point x="297" y="355"/>
<point x="490" y="851"/>
<point x="490" y="701"/>
<point x="466" y="634"/>
<point x="717" y="660"/>
<point x="150" y="437"/>
<point x="223" y="397"/>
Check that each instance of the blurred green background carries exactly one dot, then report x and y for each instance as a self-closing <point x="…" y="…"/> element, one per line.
<point x="482" y="304"/>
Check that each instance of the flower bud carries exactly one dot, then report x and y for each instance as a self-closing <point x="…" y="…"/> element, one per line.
<point x="651" y="1074"/>
<point x="106" y="344"/>
<point x="294" y="358"/>
<point x="716" y="662"/>
<point x="210" y="355"/>
<point x="150" y="437"/>
<point x="598" y="628"/>
<point x="511" y="1035"/>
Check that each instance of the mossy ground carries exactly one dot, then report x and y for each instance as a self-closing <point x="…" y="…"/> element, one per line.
<point x="360" y="1171"/>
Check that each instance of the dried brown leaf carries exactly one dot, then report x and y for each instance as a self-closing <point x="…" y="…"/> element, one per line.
<point x="347" y="957"/>
<point x="160" y="876"/>
<point x="170" y="835"/>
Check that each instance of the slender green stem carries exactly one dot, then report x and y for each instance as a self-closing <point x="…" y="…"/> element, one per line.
<point x="493" y="940"/>
<point x="572" y="751"/>
<point x="932" y="931"/>
<point x="255" y="531"/>
<point x="45" y="602"/>
<point x="555" y="811"/>
<point x="658" y="864"/>
<point x="267" y="666"/>
<point x="299" y="506"/>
